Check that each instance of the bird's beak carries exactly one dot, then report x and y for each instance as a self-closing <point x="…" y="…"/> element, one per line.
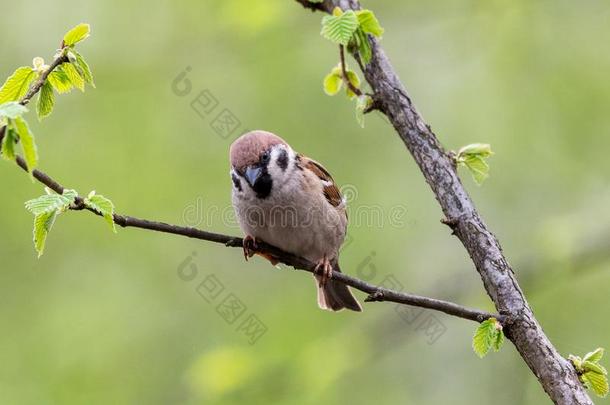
<point x="252" y="174"/>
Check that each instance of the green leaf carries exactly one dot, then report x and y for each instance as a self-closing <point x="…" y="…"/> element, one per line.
<point x="42" y="225"/>
<point x="596" y="367"/>
<point x="76" y="34"/>
<point x="362" y="103"/>
<point x="332" y="84"/>
<point x="594" y="356"/>
<point x="12" y="109"/>
<point x="339" y="29"/>
<point x="597" y="382"/>
<point x="488" y="335"/>
<point x="84" y="68"/>
<point x="476" y="149"/>
<point x="478" y="168"/>
<point x="46" y="100"/>
<point x="73" y="75"/>
<point x="46" y="208"/>
<point x="498" y="340"/>
<point x="369" y="23"/>
<point x="60" y="81"/>
<point x="103" y="206"/>
<point x="51" y="202"/>
<point x="473" y="157"/>
<point x="480" y="340"/>
<point x="364" y="47"/>
<point x="8" y="143"/>
<point x="353" y="78"/>
<point x="28" y="144"/>
<point x="17" y="85"/>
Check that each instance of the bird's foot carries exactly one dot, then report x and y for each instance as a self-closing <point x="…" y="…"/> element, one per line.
<point x="324" y="270"/>
<point x="250" y="246"/>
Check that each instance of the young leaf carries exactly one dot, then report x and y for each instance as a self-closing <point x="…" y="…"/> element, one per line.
<point x="76" y="34"/>
<point x="17" y="85"/>
<point x="594" y="356"/>
<point x="592" y="374"/>
<point x="362" y="103"/>
<point x="103" y="206"/>
<point x="28" y="144"/>
<point x="46" y="208"/>
<point x="488" y="335"/>
<point x="8" y="143"/>
<point x="73" y="75"/>
<point x="473" y="157"/>
<point x="339" y="29"/>
<point x="38" y="64"/>
<point x="46" y="101"/>
<point x="364" y="47"/>
<point x="353" y="78"/>
<point x="51" y="202"/>
<point x="12" y="109"/>
<point x="498" y="341"/>
<point x="60" y="81"/>
<point x="42" y="225"/>
<point x="476" y="149"/>
<point x="595" y="367"/>
<point x="480" y="340"/>
<point x="84" y="68"/>
<point x="597" y="382"/>
<point x="332" y="84"/>
<point x="369" y="23"/>
<point x="478" y="168"/>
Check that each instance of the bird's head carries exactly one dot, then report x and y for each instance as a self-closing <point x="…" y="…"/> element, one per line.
<point x="260" y="161"/>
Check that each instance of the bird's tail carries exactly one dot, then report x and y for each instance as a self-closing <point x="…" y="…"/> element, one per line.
<point x="334" y="295"/>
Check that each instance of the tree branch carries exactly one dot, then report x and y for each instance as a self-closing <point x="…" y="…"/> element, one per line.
<point x="556" y="375"/>
<point x="35" y="88"/>
<point x="376" y="293"/>
<point x="62" y="58"/>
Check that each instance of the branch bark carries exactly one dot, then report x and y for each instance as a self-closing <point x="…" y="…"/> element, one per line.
<point x="556" y="375"/>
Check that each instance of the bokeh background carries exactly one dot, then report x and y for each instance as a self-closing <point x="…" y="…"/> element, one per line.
<point x="104" y="318"/>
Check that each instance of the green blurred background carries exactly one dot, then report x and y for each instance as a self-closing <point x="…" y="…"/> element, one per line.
<point x="104" y="318"/>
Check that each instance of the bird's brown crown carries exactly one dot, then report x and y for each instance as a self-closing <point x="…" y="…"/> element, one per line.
<point x="247" y="149"/>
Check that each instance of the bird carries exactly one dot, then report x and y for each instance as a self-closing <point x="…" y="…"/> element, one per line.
<point x="290" y="201"/>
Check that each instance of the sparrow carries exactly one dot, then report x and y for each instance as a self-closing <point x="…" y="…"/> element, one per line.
<point x="290" y="201"/>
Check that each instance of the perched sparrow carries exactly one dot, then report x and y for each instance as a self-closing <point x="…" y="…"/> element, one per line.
<point x="290" y="201"/>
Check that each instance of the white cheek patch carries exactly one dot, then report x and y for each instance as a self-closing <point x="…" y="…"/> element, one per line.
<point x="238" y="184"/>
<point x="281" y="163"/>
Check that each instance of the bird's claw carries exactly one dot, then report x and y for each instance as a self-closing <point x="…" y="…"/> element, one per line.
<point x="325" y="270"/>
<point x="250" y="247"/>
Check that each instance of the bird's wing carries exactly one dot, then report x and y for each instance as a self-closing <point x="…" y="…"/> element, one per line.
<point x="330" y="189"/>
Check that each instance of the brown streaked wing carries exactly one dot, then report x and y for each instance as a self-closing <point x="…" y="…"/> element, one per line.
<point x="331" y="192"/>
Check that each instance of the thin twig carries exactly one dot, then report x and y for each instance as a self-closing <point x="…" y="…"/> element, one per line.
<point x="299" y="263"/>
<point x="346" y="80"/>
<point x="379" y="293"/>
<point x="35" y="88"/>
<point x="62" y="58"/>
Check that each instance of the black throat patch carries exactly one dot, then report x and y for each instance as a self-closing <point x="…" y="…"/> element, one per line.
<point x="263" y="185"/>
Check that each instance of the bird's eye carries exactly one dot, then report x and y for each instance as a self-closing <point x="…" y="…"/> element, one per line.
<point x="265" y="157"/>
